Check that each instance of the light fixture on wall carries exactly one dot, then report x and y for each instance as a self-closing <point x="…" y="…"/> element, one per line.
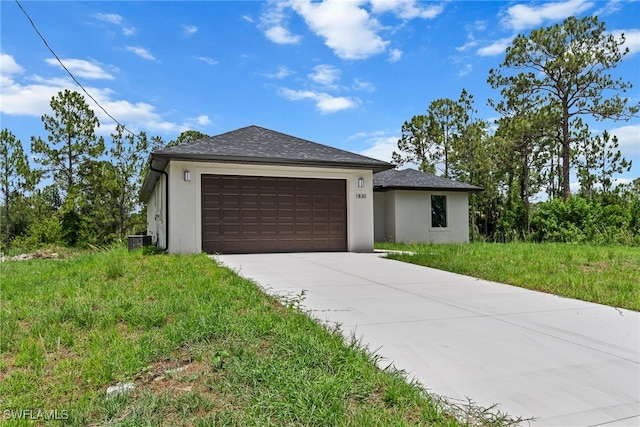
<point x="187" y="176"/>
<point x="360" y="182"/>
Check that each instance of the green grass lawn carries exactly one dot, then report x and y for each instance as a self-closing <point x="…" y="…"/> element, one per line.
<point x="202" y="346"/>
<point x="607" y="275"/>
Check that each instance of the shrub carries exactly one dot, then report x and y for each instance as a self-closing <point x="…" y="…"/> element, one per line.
<point x="604" y="219"/>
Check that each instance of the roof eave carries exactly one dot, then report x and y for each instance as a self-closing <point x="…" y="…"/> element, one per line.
<point x="383" y="188"/>
<point x="152" y="177"/>
<point x="375" y="167"/>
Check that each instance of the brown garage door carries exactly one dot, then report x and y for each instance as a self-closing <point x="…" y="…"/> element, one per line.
<point x="247" y="214"/>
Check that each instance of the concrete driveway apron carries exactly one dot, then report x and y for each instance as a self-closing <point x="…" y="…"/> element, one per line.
<point x="564" y="361"/>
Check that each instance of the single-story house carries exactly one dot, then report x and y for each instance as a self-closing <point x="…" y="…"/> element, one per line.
<point x="257" y="190"/>
<point x="413" y="206"/>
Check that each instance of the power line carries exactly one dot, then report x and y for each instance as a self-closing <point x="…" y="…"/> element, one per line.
<point x="67" y="70"/>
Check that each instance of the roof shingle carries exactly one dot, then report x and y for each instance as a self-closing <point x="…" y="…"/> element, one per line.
<point x="411" y="179"/>
<point x="257" y="144"/>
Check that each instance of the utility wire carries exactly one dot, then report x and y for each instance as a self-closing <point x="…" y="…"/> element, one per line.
<point x="67" y="70"/>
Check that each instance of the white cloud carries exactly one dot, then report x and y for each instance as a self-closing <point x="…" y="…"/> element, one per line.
<point x="189" y="30"/>
<point x="274" y="22"/>
<point x="468" y="45"/>
<point x="381" y="145"/>
<point x="280" y="35"/>
<point x="521" y="16"/>
<point x="111" y="18"/>
<point x="395" y="55"/>
<point x="31" y="96"/>
<point x="465" y="70"/>
<point x="282" y="73"/>
<point x="381" y="148"/>
<point x="480" y="25"/>
<point x="82" y="68"/>
<point x="632" y="39"/>
<point x="115" y="19"/>
<point x="347" y="29"/>
<point x="141" y="52"/>
<point x="609" y="8"/>
<point x="8" y="65"/>
<point x="326" y="76"/>
<point x="628" y="139"/>
<point x="363" y="85"/>
<point x="471" y="29"/>
<point x="30" y="99"/>
<point x="406" y="9"/>
<point x="203" y="120"/>
<point x="498" y="47"/>
<point x="134" y="115"/>
<point x="206" y="60"/>
<point x="325" y="103"/>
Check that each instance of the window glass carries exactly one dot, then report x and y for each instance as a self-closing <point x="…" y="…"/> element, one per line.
<point x="438" y="211"/>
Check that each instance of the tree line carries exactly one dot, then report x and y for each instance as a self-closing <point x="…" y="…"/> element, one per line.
<point x="549" y="83"/>
<point x="80" y="192"/>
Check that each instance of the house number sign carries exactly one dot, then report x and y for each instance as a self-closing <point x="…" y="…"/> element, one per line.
<point x="361" y="195"/>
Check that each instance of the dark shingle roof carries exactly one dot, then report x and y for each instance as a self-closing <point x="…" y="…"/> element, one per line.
<point x="411" y="179"/>
<point x="255" y="144"/>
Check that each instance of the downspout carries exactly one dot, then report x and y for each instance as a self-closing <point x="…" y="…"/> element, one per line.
<point x="166" y="203"/>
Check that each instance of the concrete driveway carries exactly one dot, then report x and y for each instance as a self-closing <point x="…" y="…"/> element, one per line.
<point x="565" y="362"/>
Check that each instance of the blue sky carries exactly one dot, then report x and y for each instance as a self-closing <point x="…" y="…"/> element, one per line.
<point x="342" y="73"/>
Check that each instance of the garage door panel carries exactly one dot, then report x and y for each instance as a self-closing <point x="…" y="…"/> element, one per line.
<point x="303" y="214"/>
<point x="229" y="230"/>
<point x="320" y="215"/>
<point x="286" y="186"/>
<point x="268" y="215"/>
<point x="336" y="229"/>
<point x="320" y="229"/>
<point x="303" y="228"/>
<point x="267" y="200"/>
<point x="286" y="200"/>
<point x="242" y="214"/>
<point x="335" y="201"/>
<point x="269" y="184"/>
<point x="227" y="183"/>
<point x="229" y="214"/>
<point x="250" y="213"/>
<point x="303" y="200"/>
<point x="286" y="214"/>
<point x="322" y="200"/>
<point x="211" y="214"/>
<point x="269" y="229"/>
<point x="287" y="229"/>
<point x="249" y="183"/>
<point x="230" y="199"/>
<point x="249" y="199"/>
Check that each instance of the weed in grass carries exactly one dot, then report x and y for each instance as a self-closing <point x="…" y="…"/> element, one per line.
<point x="114" y="265"/>
<point x="219" y="358"/>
